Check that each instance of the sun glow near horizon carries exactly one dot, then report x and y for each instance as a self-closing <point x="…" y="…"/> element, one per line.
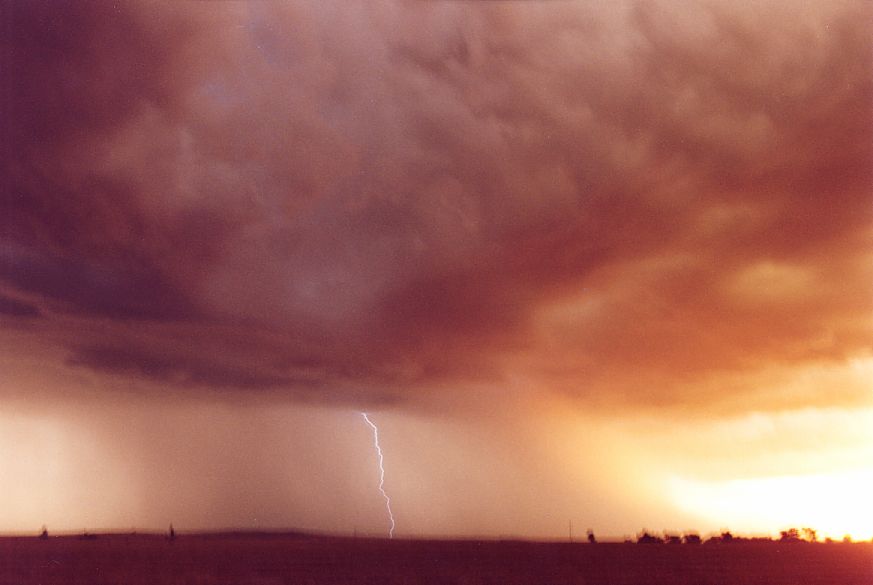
<point x="833" y="504"/>
<point x="763" y="473"/>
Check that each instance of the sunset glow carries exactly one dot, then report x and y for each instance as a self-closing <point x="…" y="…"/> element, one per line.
<point x="836" y="504"/>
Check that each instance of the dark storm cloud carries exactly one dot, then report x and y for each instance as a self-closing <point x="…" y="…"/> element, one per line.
<point x="72" y="73"/>
<point x="408" y="194"/>
<point x="93" y="286"/>
<point x="17" y="308"/>
<point x="176" y="370"/>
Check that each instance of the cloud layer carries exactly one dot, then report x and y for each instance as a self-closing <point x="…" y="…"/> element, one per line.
<point x="637" y="204"/>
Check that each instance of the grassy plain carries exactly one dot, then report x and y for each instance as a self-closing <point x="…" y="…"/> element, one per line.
<point x="273" y="559"/>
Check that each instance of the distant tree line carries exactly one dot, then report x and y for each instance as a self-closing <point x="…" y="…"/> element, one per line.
<point x="792" y="535"/>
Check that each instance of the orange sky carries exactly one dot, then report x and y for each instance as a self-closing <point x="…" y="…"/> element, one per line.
<point x="607" y="264"/>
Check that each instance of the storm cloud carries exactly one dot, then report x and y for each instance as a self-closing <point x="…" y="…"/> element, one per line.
<point x="640" y="204"/>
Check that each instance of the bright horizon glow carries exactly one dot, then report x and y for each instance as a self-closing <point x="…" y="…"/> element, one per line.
<point x="833" y="504"/>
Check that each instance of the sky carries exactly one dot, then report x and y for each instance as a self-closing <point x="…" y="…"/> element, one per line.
<point x="601" y="265"/>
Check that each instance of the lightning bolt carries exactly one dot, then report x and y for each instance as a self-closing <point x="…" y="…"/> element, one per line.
<point x="381" y="472"/>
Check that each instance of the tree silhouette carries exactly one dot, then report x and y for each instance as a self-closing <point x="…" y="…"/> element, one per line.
<point x="646" y="538"/>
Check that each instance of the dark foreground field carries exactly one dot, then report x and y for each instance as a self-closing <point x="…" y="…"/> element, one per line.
<point x="289" y="559"/>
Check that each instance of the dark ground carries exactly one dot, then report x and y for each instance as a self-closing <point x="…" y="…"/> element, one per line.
<point x="291" y="559"/>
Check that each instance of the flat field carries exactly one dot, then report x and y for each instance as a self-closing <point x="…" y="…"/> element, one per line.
<point x="273" y="559"/>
